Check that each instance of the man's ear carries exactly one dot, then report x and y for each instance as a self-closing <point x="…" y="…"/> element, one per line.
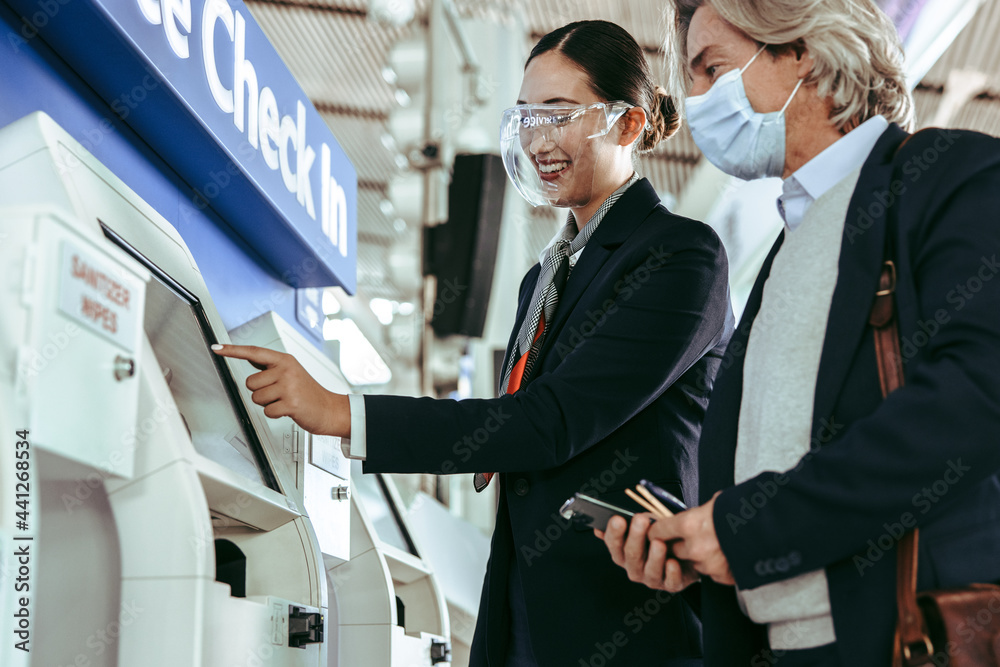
<point x="633" y="123"/>
<point x="805" y="61"/>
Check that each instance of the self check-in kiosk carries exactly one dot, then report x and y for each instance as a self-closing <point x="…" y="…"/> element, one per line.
<point x="398" y="607"/>
<point x="171" y="522"/>
<point x="386" y="605"/>
<point x="164" y="527"/>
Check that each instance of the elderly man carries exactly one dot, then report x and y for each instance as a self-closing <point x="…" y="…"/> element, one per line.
<point x="808" y="477"/>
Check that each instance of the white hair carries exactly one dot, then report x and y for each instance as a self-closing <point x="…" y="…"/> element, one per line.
<point x="854" y="45"/>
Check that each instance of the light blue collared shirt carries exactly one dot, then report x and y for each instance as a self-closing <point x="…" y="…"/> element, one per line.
<point x="827" y="169"/>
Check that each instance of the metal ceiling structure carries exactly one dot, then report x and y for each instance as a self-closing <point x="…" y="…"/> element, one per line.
<point x="337" y="52"/>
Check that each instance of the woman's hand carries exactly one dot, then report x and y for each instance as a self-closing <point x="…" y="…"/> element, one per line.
<point x="645" y="560"/>
<point x="285" y="389"/>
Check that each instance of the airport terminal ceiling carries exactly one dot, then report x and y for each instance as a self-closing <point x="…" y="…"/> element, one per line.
<point x="336" y="51"/>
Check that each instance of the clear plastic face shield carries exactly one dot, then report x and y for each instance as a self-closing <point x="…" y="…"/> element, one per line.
<point x="551" y="151"/>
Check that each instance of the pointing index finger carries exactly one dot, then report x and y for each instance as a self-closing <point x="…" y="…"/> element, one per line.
<point x="260" y="357"/>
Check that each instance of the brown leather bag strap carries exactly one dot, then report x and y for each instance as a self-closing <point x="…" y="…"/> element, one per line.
<point x="913" y="641"/>
<point x="883" y="321"/>
<point x="912" y="645"/>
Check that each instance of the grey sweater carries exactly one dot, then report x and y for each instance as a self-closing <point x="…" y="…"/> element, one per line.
<point x="779" y="384"/>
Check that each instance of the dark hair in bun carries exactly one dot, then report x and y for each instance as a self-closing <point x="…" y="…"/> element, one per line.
<point x="618" y="70"/>
<point x="664" y="120"/>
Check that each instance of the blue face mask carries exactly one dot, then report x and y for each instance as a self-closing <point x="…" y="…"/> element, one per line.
<point x="735" y="138"/>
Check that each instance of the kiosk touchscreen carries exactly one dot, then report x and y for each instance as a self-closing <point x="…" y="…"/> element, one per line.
<point x="206" y="395"/>
<point x="165" y="526"/>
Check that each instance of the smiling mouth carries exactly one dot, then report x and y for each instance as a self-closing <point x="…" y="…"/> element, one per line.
<point x="550" y="171"/>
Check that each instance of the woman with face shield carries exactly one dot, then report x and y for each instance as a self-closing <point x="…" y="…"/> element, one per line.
<point x="619" y="331"/>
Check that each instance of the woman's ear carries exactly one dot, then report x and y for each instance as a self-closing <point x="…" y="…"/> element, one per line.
<point x="633" y="123"/>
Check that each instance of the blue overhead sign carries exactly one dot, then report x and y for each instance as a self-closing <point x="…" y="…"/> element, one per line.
<point x="200" y="82"/>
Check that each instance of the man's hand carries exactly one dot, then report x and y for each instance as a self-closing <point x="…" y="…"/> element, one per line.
<point x="645" y="561"/>
<point x="285" y="389"/>
<point x="693" y="540"/>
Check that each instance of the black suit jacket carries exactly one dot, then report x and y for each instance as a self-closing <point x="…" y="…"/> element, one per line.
<point x="926" y="456"/>
<point x="618" y="394"/>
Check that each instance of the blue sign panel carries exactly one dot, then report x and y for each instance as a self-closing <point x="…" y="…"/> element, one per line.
<point x="203" y="86"/>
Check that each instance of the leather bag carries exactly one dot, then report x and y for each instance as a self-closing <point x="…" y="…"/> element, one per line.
<point x="944" y="628"/>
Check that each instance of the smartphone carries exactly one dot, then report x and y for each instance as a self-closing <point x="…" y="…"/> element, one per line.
<point x="592" y="512"/>
<point x="672" y="502"/>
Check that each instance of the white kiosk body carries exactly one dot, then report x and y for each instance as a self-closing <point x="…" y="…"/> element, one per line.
<point x="163" y="524"/>
<point x="386" y="605"/>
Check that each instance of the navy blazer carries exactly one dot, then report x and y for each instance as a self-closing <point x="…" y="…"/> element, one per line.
<point x="927" y="456"/>
<point x="618" y="394"/>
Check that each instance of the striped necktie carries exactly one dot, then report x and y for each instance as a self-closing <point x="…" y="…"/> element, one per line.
<point x="551" y="281"/>
<point x="531" y="336"/>
<point x="555" y="267"/>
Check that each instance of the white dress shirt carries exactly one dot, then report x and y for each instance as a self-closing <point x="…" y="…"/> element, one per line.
<point x="827" y="169"/>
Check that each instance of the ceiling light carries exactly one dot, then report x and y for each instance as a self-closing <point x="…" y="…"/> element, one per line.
<point x="383" y="309"/>
<point x="394" y="12"/>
